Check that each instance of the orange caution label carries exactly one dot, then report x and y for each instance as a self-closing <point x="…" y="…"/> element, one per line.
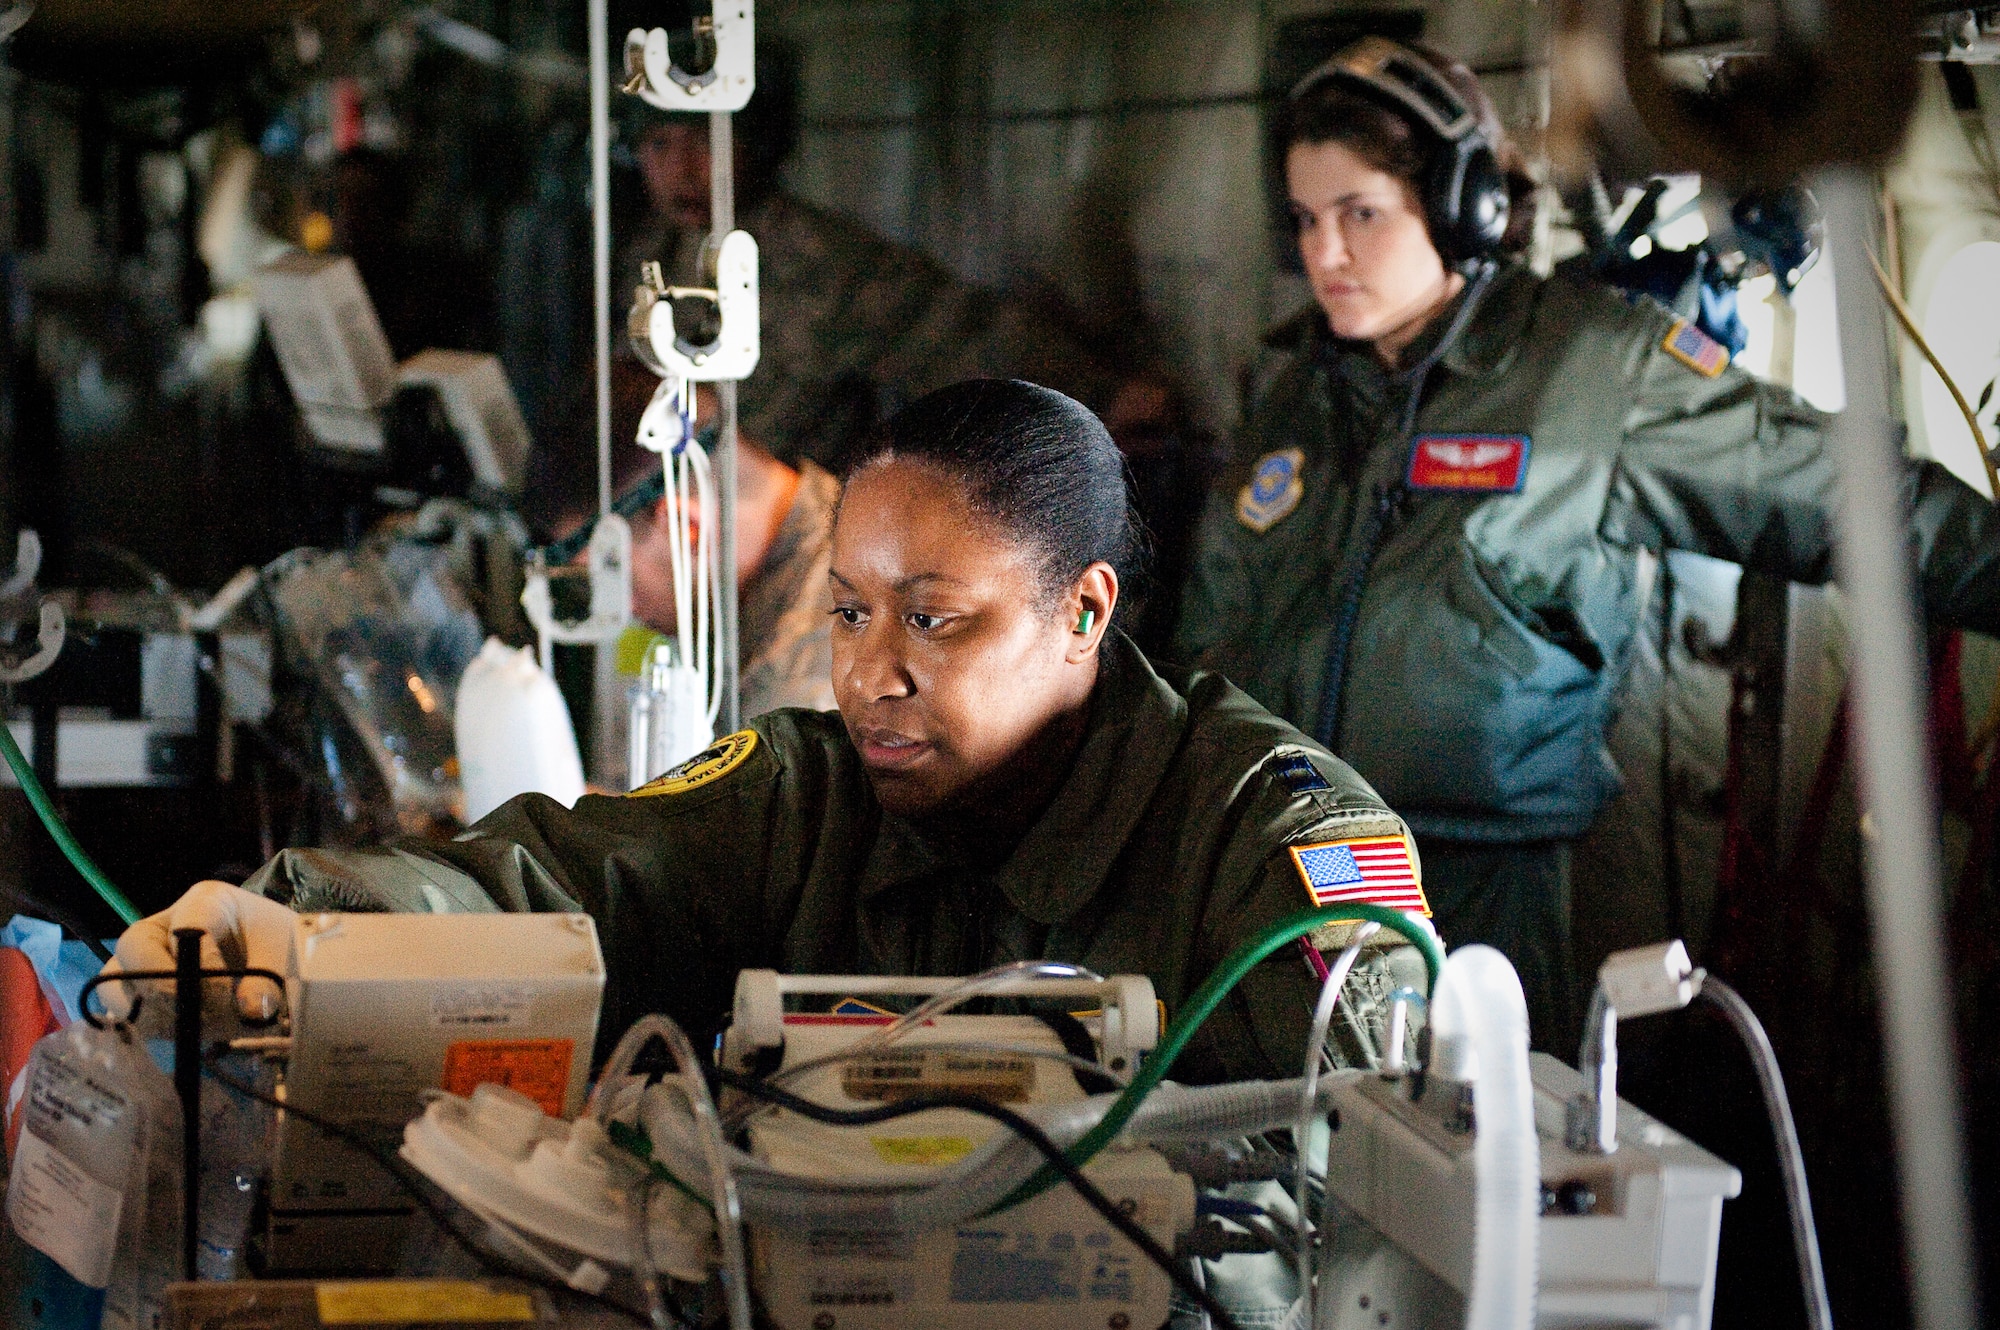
<point x="537" y="1068"/>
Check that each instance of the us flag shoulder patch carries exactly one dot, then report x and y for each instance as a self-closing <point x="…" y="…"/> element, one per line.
<point x="1695" y="349"/>
<point x="1374" y="870"/>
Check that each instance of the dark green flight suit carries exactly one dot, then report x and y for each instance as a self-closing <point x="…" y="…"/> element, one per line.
<point x="1492" y="627"/>
<point x="1163" y="850"/>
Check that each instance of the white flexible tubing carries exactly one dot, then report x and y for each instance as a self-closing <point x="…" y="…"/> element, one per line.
<point x="933" y="1199"/>
<point x="709" y="578"/>
<point x="691" y="547"/>
<point x="677" y="551"/>
<point x="1479" y="1021"/>
<point x="725" y="1198"/>
<point x="1329" y="995"/>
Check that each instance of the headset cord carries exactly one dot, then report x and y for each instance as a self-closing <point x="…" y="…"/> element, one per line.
<point x="1380" y="519"/>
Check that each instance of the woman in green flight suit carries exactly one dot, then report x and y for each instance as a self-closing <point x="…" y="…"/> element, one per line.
<point x="1007" y="778"/>
<point x="1426" y="550"/>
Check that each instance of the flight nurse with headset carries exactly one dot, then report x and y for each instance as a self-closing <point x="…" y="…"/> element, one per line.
<point x="1425" y="551"/>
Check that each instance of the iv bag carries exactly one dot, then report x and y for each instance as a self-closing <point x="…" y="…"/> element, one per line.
<point x="670" y="721"/>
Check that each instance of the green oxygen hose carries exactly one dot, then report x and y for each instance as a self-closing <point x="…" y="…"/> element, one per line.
<point x="46" y="810"/>
<point x="1204" y="1002"/>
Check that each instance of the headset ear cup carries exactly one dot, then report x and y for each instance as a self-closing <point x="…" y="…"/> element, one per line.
<point x="1484" y="202"/>
<point x="1467" y="205"/>
<point x="1441" y="200"/>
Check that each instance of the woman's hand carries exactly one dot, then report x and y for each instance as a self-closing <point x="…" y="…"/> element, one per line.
<point x="240" y="928"/>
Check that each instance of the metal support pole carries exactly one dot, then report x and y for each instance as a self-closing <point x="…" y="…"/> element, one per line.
<point x="1902" y="859"/>
<point x="722" y="220"/>
<point x="600" y="237"/>
<point x="187" y="1084"/>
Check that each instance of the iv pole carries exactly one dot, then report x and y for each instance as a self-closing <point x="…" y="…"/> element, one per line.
<point x="722" y="220"/>
<point x="722" y="215"/>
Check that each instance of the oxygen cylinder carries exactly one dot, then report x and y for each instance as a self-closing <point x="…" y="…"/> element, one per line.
<point x="513" y="731"/>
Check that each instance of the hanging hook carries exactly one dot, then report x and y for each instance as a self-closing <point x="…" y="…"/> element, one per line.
<point x="49" y="644"/>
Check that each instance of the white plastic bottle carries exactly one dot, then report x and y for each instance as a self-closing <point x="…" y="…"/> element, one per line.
<point x="514" y="733"/>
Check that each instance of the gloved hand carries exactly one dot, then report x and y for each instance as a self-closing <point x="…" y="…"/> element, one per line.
<point x="240" y="928"/>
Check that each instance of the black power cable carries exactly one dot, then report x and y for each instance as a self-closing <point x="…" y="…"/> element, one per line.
<point x="412" y="1182"/>
<point x="1020" y="1126"/>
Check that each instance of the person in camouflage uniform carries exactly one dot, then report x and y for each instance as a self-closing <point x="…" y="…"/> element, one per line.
<point x="784" y="530"/>
<point x="853" y="324"/>
<point x="785" y="615"/>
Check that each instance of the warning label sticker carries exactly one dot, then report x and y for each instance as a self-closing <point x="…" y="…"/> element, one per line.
<point x="537" y="1068"/>
<point x="482" y="1005"/>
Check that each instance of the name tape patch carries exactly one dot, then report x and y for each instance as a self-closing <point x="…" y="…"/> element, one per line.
<point x="1275" y="489"/>
<point x="1695" y="349"/>
<point x="710" y="764"/>
<point x="1374" y="870"/>
<point x="1474" y="463"/>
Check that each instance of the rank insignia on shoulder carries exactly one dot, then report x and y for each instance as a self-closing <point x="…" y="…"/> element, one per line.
<point x="1275" y="489"/>
<point x="709" y="765"/>
<point x="1469" y="463"/>
<point x="1299" y="773"/>
<point x="1695" y="349"/>
<point x="1373" y="870"/>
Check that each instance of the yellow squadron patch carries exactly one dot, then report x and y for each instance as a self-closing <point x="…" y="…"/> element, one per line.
<point x="710" y="764"/>
<point x="1275" y="489"/>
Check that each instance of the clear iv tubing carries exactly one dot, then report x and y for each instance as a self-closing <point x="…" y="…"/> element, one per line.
<point x="978" y="985"/>
<point x="640" y="1198"/>
<point x="958" y="994"/>
<point x="727" y="1202"/>
<point x="1792" y="1160"/>
<point x="1329" y="995"/>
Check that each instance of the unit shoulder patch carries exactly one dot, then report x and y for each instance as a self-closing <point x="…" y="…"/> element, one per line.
<point x="709" y="765"/>
<point x="1695" y="349"/>
<point x="1275" y="488"/>
<point x="1372" y="870"/>
<point x="1469" y="463"/>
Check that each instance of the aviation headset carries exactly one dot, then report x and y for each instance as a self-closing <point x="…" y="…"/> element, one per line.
<point x="1464" y="191"/>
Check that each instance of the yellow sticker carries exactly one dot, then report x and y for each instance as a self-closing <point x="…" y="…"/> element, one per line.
<point x="398" y="1301"/>
<point x="1097" y="1013"/>
<point x="1275" y="489"/>
<point x="921" y="1149"/>
<point x="710" y="764"/>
